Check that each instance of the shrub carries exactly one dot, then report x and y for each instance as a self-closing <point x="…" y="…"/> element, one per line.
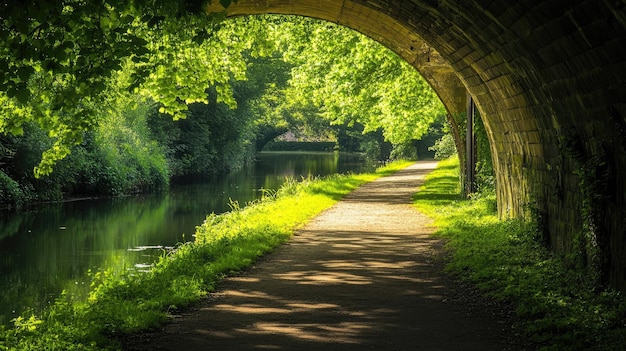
<point x="10" y="193"/>
<point x="444" y="147"/>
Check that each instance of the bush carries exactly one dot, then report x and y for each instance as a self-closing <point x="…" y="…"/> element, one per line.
<point x="10" y="193"/>
<point x="404" y="151"/>
<point x="444" y="147"/>
<point x="300" y="146"/>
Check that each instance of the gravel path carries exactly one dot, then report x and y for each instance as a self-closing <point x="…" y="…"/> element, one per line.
<point x="364" y="275"/>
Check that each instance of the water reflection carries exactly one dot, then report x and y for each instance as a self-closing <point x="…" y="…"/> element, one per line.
<point x="46" y="251"/>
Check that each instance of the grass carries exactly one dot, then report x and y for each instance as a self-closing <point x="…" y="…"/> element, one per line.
<point x="225" y="244"/>
<point x="558" y="306"/>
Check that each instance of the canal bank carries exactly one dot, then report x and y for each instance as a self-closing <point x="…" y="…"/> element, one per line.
<point x="50" y="248"/>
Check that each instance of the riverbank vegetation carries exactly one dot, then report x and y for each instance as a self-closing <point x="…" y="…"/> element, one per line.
<point x="187" y="94"/>
<point x="225" y="244"/>
<point x="558" y="305"/>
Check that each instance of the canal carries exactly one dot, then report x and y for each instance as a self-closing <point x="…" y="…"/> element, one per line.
<point x="51" y="249"/>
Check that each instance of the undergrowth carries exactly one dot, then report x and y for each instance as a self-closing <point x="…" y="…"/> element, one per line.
<point x="122" y="304"/>
<point x="558" y="306"/>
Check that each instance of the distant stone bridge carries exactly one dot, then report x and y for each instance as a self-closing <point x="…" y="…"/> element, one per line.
<point x="549" y="80"/>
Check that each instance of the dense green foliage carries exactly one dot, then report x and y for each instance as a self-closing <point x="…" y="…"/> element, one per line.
<point x="120" y="304"/>
<point x="116" y="158"/>
<point x="485" y="176"/>
<point x="60" y="58"/>
<point x="213" y="138"/>
<point x="233" y="85"/>
<point x="300" y="146"/>
<point x="347" y="78"/>
<point x="559" y="306"/>
<point x="444" y="147"/>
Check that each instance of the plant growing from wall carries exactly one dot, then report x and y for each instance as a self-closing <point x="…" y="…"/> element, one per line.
<point x="595" y="173"/>
<point x="485" y="177"/>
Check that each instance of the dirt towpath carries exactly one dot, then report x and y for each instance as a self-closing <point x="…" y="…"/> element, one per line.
<point x="364" y="275"/>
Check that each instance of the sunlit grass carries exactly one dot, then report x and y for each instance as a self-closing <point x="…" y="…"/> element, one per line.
<point x="559" y="306"/>
<point x="225" y="244"/>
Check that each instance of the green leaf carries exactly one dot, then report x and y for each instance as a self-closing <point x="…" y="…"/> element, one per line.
<point x="24" y="73"/>
<point x="23" y="95"/>
<point x="200" y="37"/>
<point x="225" y="3"/>
<point x="138" y="59"/>
<point x="155" y="21"/>
<point x="126" y="20"/>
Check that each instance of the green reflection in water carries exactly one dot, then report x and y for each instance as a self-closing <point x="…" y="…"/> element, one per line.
<point x="51" y="249"/>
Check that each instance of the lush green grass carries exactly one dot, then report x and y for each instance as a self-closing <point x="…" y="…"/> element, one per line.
<point x="226" y="243"/>
<point x="558" y="305"/>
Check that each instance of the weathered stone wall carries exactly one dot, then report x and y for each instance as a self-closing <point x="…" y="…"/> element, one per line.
<point x="549" y="79"/>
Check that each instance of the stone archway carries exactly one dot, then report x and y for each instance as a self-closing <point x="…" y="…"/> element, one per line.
<point x="549" y="79"/>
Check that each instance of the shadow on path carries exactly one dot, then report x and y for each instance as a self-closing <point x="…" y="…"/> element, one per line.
<point x="364" y="275"/>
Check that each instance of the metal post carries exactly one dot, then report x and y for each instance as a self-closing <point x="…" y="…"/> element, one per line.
<point x="470" y="149"/>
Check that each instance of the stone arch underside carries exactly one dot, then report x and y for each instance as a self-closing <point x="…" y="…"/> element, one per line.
<point x="549" y="79"/>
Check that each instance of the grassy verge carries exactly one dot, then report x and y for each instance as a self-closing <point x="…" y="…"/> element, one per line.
<point x="559" y="307"/>
<point x="226" y="243"/>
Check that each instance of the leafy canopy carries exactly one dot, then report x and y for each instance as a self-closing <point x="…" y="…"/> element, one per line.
<point x="352" y="79"/>
<point x="57" y="60"/>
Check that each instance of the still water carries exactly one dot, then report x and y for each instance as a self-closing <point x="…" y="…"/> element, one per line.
<point x="51" y="249"/>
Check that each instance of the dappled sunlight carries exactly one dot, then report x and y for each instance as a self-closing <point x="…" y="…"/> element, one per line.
<point x="246" y="293"/>
<point x="251" y="308"/>
<point x="342" y="333"/>
<point x="341" y="264"/>
<point x="246" y="279"/>
<point x="415" y="280"/>
<point x="312" y="305"/>
<point x="320" y="277"/>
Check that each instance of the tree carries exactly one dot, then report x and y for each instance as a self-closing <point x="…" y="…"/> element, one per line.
<point x="353" y="79"/>
<point x="57" y="59"/>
